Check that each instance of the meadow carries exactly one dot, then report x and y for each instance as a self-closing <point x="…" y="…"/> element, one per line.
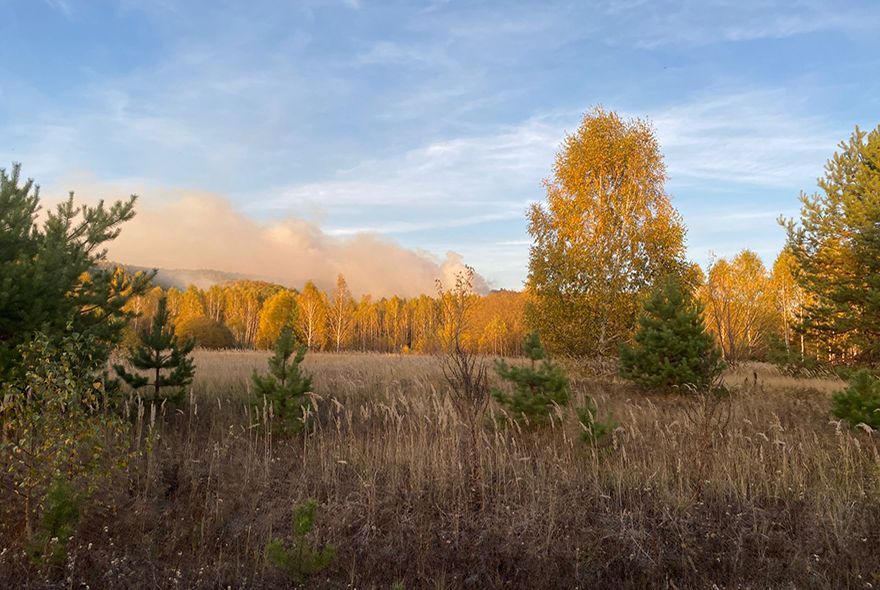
<point x="764" y="490"/>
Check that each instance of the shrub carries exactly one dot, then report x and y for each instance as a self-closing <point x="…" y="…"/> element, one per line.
<point x="285" y="386"/>
<point x="860" y="402"/>
<point x="534" y="389"/>
<point x="672" y="346"/>
<point x="60" y="433"/>
<point x="300" y="559"/>
<point x="206" y="332"/>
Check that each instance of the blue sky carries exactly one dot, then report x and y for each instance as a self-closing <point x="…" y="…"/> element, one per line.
<point x="433" y="123"/>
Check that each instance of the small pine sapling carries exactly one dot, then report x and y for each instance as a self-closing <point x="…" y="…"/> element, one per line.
<point x="860" y="402"/>
<point x="285" y="385"/>
<point x="593" y="430"/>
<point x="60" y="517"/>
<point x="161" y="353"/>
<point x="300" y="559"/>
<point x="534" y="389"/>
<point x="672" y="347"/>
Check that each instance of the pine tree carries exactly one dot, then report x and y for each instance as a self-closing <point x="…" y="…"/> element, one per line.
<point x="536" y="388"/>
<point x="836" y="247"/>
<point x="164" y="355"/>
<point x="53" y="275"/>
<point x="301" y="558"/>
<point x="285" y="385"/>
<point x="672" y="346"/>
<point x="860" y="402"/>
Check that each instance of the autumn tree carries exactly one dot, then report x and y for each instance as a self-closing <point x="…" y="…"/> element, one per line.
<point x="605" y="235"/>
<point x="789" y="300"/>
<point x="367" y="323"/>
<point x="279" y="311"/>
<point x="190" y="305"/>
<point x="244" y="302"/>
<point x="215" y="303"/>
<point x="340" y="313"/>
<point x="394" y="323"/>
<point x="312" y="315"/>
<point x="835" y="243"/>
<point x="424" y="314"/>
<point x="739" y="304"/>
<point x="498" y="323"/>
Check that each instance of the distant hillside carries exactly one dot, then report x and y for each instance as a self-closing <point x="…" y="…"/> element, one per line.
<point x="183" y="278"/>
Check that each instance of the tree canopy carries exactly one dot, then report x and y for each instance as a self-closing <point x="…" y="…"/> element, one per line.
<point x="606" y="234"/>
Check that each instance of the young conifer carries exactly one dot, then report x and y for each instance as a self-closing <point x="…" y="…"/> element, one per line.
<point x="672" y="346"/>
<point x="165" y="357"/>
<point x="535" y="389"/>
<point x="285" y="386"/>
<point x="300" y="559"/>
<point x="860" y="402"/>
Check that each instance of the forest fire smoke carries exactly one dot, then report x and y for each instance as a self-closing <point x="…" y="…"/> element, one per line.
<point x="204" y="231"/>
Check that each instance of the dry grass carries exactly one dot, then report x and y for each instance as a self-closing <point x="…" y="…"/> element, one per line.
<point x="781" y="497"/>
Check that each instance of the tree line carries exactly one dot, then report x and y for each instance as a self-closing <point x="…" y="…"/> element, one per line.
<point x="252" y="314"/>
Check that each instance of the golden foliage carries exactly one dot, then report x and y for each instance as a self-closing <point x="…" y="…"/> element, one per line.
<point x="606" y="233"/>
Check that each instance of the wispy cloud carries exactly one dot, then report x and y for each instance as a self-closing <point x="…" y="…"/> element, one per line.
<point x="758" y="137"/>
<point x="61" y="5"/>
<point x="390" y="53"/>
<point x="707" y="22"/>
<point x="405" y="227"/>
<point x="451" y="172"/>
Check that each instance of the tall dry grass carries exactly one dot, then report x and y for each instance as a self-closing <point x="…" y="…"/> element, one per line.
<point x="776" y="495"/>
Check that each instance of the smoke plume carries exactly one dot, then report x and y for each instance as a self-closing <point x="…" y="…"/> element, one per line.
<point x="204" y="231"/>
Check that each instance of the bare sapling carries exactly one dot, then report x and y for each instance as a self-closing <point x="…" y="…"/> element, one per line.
<point x="464" y="370"/>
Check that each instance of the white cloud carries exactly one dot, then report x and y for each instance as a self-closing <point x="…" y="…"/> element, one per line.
<point x="460" y="171"/>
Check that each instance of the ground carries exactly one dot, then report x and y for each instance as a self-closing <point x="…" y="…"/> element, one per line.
<point x="762" y="490"/>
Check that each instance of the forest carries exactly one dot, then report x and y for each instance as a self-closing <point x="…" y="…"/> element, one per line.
<point x="628" y="419"/>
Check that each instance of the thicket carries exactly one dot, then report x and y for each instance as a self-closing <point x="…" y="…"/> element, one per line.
<point x="206" y="333"/>
<point x="61" y="314"/>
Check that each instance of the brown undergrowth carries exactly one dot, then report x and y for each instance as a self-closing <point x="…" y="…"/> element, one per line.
<point x="777" y="495"/>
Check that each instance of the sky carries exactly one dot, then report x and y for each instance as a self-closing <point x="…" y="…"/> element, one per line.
<point x="425" y="127"/>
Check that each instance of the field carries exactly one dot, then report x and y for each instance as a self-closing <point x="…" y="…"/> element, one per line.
<point x="763" y="491"/>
